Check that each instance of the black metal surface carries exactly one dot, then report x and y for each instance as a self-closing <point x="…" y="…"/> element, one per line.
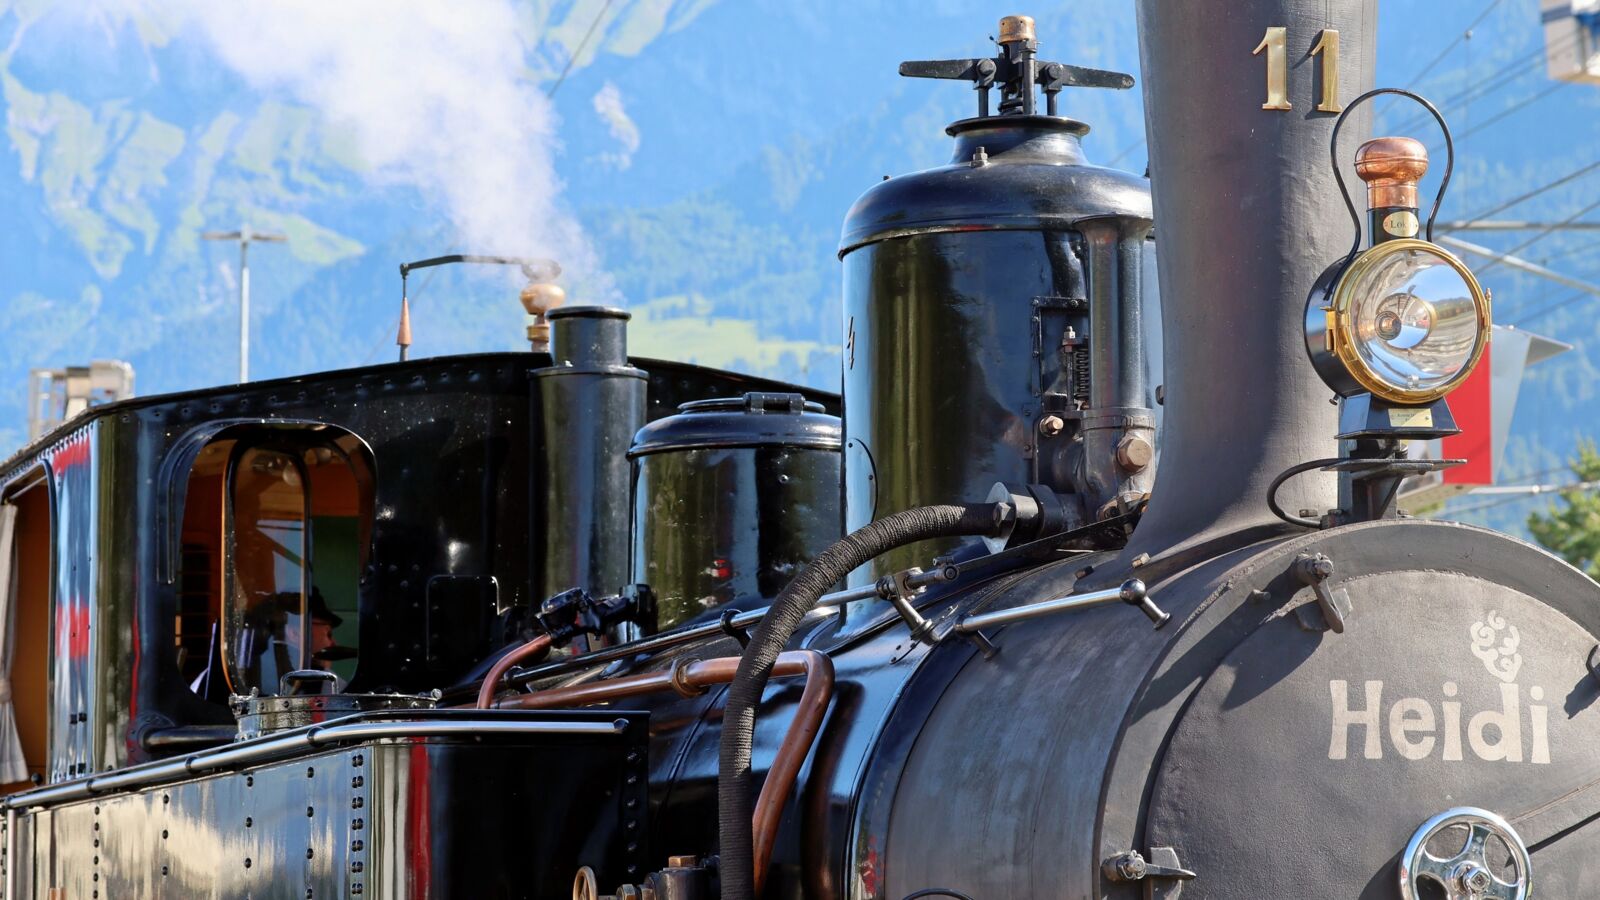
<point x="591" y="402"/>
<point x="756" y="419"/>
<point x="1039" y="765"/>
<point x="992" y="313"/>
<point x="1249" y="216"/>
<point x="941" y="406"/>
<point x="731" y="498"/>
<point x="1034" y="175"/>
<point x="451" y="439"/>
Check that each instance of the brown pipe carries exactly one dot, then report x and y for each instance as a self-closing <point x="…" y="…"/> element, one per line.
<point x="491" y="681"/>
<point x="785" y="771"/>
<point x="696" y="677"/>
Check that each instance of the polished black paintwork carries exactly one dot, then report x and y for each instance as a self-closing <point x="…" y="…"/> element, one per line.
<point x="1060" y="752"/>
<point x="452" y="441"/>
<point x="1034" y="176"/>
<point x="979" y="298"/>
<point x="591" y="401"/>
<point x="731" y="498"/>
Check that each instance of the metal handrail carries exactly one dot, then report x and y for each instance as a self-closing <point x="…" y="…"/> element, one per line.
<point x="355" y="727"/>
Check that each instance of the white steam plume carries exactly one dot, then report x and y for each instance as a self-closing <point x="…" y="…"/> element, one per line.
<point x="435" y="95"/>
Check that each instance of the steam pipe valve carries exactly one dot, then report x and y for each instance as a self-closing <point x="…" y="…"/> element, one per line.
<point x="574" y="612"/>
<point x="1024" y="513"/>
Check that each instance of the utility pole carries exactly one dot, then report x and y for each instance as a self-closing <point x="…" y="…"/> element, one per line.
<point x="244" y="236"/>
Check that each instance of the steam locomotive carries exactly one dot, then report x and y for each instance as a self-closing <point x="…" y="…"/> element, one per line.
<point x="1081" y="589"/>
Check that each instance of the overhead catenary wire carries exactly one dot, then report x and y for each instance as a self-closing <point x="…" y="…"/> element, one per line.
<point x="1514" y="108"/>
<point x="1523" y="496"/>
<point x="1580" y="172"/>
<point x="1466" y="33"/>
<point x="1502" y="501"/>
<point x="1568" y="251"/>
<point x="1122" y="154"/>
<point x="582" y="46"/>
<point x="1538" y="237"/>
<point x="1493" y="82"/>
<point x="1530" y="490"/>
<point x="1543" y="311"/>
<point x="1542" y="473"/>
<point x="386" y="336"/>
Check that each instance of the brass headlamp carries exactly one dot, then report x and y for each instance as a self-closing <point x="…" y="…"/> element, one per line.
<point x="1405" y="320"/>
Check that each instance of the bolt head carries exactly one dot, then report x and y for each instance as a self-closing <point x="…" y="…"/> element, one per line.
<point x="1050" y="426"/>
<point x="1135" y="452"/>
<point x="1476" y="880"/>
<point x="1132" y="868"/>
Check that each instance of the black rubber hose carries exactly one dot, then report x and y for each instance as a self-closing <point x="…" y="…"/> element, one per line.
<point x="1285" y="475"/>
<point x="772" y="635"/>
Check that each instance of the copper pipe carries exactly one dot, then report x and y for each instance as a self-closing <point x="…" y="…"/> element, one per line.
<point x="698" y="676"/>
<point x="491" y="681"/>
<point x="785" y="771"/>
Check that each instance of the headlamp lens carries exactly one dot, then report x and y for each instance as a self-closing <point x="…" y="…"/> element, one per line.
<point x="1416" y="325"/>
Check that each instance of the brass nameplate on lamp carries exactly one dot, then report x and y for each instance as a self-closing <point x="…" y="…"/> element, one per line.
<point x="1414" y="417"/>
<point x="1401" y="224"/>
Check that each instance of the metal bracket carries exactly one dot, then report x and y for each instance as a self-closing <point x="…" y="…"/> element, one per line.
<point x="742" y="635"/>
<point x="1314" y="570"/>
<point x="899" y="588"/>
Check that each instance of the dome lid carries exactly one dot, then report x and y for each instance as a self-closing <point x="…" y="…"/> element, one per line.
<point x="1008" y="172"/>
<point x="756" y="419"/>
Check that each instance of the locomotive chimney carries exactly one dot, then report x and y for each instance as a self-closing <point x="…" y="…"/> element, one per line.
<point x="591" y="401"/>
<point x="1249" y="216"/>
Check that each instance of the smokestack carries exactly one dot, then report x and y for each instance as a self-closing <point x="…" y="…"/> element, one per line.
<point x="1247" y="216"/>
<point x="591" y="402"/>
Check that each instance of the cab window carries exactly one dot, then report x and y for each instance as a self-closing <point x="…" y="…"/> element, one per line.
<point x="276" y="527"/>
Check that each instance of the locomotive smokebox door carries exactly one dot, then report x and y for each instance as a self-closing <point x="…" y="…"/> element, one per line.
<point x="1466" y="687"/>
<point x="993" y="323"/>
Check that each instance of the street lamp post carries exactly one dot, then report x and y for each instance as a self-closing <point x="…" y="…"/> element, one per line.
<point x="244" y="236"/>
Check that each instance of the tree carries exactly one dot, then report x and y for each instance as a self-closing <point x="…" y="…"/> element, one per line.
<point x="1571" y="527"/>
